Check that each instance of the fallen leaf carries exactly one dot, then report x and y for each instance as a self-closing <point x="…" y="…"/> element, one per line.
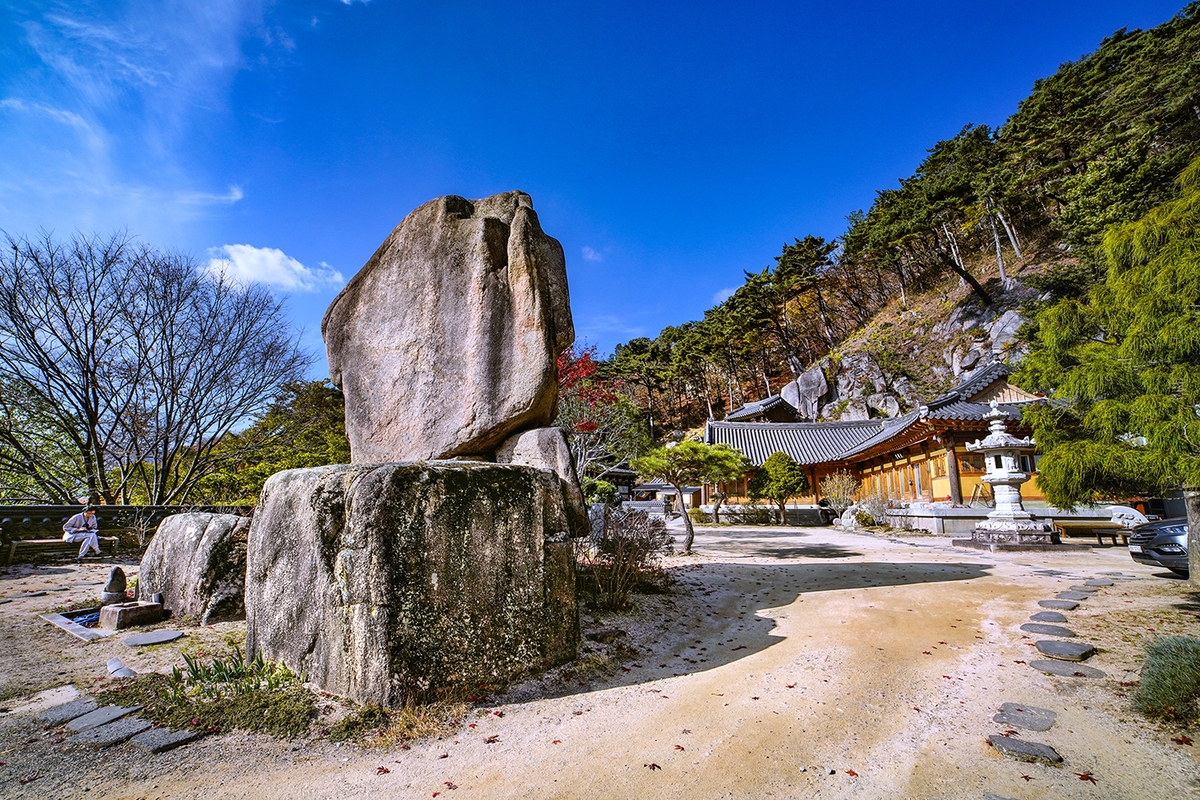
<point x="557" y="741"/>
<point x="852" y="773"/>
<point x="491" y="739"/>
<point x="1085" y="776"/>
<point x="685" y="730"/>
<point x="30" y="778"/>
<point x="753" y="698"/>
<point x="1026" y="778"/>
<point x="382" y="770"/>
<point x="791" y="686"/>
<point x="576" y="713"/>
<point x="471" y="725"/>
<point x="444" y="755"/>
<point x="1184" y="740"/>
<point x="435" y="794"/>
<point x="926" y="653"/>
<point x="498" y="713"/>
<point x="652" y="766"/>
<point x="678" y="747"/>
<point x="450" y="785"/>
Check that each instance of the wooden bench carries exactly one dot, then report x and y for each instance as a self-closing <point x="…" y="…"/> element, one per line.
<point x="28" y="547"/>
<point x="1100" y="529"/>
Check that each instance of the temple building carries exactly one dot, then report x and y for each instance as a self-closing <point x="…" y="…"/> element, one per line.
<point x="913" y="457"/>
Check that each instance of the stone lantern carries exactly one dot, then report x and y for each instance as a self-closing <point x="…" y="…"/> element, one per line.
<point x="1008" y="523"/>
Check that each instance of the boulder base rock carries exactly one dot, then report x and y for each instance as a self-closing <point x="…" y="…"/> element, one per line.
<point x="198" y="563"/>
<point x="386" y="582"/>
<point x="546" y="448"/>
<point x="445" y="342"/>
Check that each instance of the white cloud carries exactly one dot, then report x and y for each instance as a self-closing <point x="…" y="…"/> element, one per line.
<point x="244" y="264"/>
<point x="724" y="294"/>
<point x="591" y="255"/>
<point x="204" y="198"/>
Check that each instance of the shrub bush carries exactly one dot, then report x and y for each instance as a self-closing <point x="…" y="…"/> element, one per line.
<point x="1170" y="686"/>
<point x="698" y="516"/>
<point x="749" y="515"/>
<point x="627" y="555"/>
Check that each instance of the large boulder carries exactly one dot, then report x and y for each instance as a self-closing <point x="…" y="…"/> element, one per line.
<point x="445" y="342"/>
<point x="198" y="563"/>
<point x="386" y="582"/>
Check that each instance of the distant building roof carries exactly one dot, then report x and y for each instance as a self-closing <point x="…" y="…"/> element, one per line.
<point x="823" y="442"/>
<point x="758" y="408"/>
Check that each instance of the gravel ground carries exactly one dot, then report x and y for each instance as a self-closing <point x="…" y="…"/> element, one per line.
<point x="800" y="662"/>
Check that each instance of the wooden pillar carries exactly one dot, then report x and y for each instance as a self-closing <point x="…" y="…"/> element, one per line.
<point x="952" y="469"/>
<point x="816" y="487"/>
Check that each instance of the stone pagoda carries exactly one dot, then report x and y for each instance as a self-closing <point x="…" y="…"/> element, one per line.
<point x="1009" y="525"/>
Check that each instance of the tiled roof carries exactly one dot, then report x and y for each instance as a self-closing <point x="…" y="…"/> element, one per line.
<point x="980" y="379"/>
<point x="969" y="412"/>
<point x="758" y="407"/>
<point x="806" y="442"/>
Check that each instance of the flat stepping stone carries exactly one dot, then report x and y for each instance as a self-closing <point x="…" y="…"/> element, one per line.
<point x="1021" y="750"/>
<point x="1066" y="651"/>
<point x="1089" y="589"/>
<point x="1047" y="630"/>
<point x="1066" y="669"/>
<point x="1098" y="583"/>
<point x="152" y="637"/>
<point x="1027" y="717"/>
<point x="159" y="740"/>
<point x="1048" y="616"/>
<point x="101" y="716"/>
<point x="113" y="733"/>
<point x="1062" y="605"/>
<point x="23" y="595"/>
<point x="1073" y="596"/>
<point x="62" y="714"/>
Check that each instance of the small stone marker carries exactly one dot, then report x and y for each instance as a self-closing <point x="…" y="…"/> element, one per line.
<point x="114" y="590"/>
<point x="1067" y="669"/>
<point x="112" y="733"/>
<point x="1073" y="596"/>
<point x="1088" y="589"/>
<point x="1062" y="605"/>
<point x="1029" y="717"/>
<point x="127" y="615"/>
<point x="159" y="740"/>
<point x="101" y="716"/>
<point x="1098" y="583"/>
<point x="1046" y="630"/>
<point x="1025" y="751"/>
<point x="152" y="637"/>
<point x="59" y="715"/>
<point x="1048" y="616"/>
<point x="1066" y="651"/>
<point x="115" y="664"/>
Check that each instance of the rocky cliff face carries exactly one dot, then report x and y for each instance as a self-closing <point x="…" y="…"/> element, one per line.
<point x="909" y="356"/>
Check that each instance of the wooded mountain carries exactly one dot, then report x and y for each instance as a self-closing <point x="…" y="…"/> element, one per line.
<point x="992" y="221"/>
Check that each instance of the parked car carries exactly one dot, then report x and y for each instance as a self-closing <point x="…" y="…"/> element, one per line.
<point x="1161" y="544"/>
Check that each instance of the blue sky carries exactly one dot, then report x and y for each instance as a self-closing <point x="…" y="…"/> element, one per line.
<point x="669" y="146"/>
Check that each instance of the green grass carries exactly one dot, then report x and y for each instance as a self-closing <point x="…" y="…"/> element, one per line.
<point x="384" y="727"/>
<point x="226" y="693"/>
<point x="1170" y="686"/>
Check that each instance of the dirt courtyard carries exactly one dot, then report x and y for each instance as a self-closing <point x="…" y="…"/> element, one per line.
<point x="798" y="662"/>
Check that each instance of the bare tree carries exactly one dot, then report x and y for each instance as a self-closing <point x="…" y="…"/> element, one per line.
<point x="136" y="362"/>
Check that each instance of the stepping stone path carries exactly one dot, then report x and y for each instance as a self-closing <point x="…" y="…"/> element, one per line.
<point x="112" y="733"/>
<point x="1025" y="751"/>
<point x="110" y="725"/>
<point x="1048" y="616"/>
<point x="1028" y="717"/>
<point x="1073" y="596"/>
<point x="1085" y="588"/>
<point x="1046" y="630"/>
<point x="1098" y="583"/>
<point x="59" y="715"/>
<point x="1063" y="605"/>
<point x="101" y="716"/>
<point x="152" y="637"/>
<point x="1066" y="651"/>
<point x="159" y="740"/>
<point x="1066" y="669"/>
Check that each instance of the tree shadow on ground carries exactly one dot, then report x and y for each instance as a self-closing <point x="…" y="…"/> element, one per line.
<point x="713" y="618"/>
<point x="766" y="543"/>
<point x="18" y="571"/>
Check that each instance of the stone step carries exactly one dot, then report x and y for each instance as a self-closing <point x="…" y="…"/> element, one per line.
<point x="1066" y="651"/>
<point x="111" y="733"/>
<point x="101" y="716"/>
<point x="1089" y="589"/>
<point x="1098" y="583"/>
<point x="1048" y="616"/>
<point x="1046" y="630"/>
<point x="1029" y="717"/>
<point x="159" y="740"/>
<point x="1022" y="750"/>
<point x="1061" y="605"/>
<point x="62" y="714"/>
<point x="1073" y="596"/>
<point x="1066" y="669"/>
